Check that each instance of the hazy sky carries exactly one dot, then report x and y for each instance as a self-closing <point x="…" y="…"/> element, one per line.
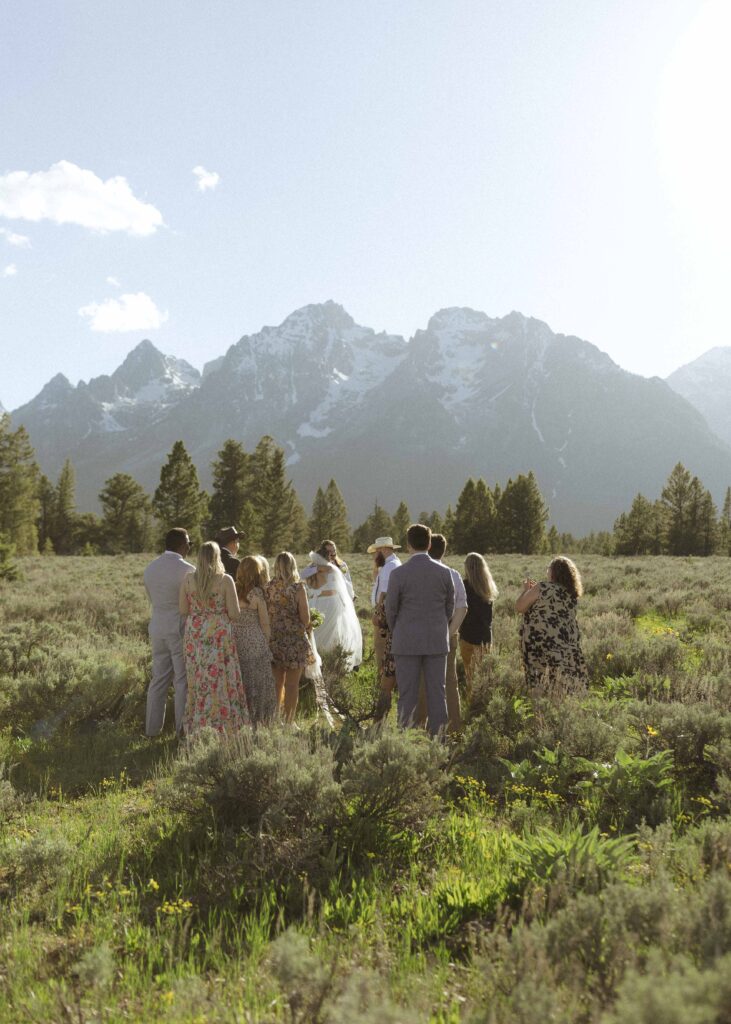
<point x="189" y="172"/>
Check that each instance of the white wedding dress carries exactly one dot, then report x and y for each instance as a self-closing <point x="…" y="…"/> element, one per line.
<point x="340" y="628"/>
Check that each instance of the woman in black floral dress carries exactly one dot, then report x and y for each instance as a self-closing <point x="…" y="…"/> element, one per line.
<point x="550" y="642"/>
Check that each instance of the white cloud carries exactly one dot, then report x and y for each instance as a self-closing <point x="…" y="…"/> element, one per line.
<point x="127" y="313"/>
<point x="10" y="271"/>
<point x="113" y="282"/>
<point x="22" y="241"/>
<point x="67" y="194"/>
<point x="206" y="179"/>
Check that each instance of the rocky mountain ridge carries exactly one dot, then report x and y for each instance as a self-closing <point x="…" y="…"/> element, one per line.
<point x="391" y="419"/>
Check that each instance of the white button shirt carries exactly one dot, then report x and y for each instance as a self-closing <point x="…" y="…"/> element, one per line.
<point x="380" y="585"/>
<point x="460" y="594"/>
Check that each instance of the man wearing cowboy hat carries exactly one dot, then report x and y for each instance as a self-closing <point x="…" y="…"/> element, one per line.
<point x="385" y="547"/>
<point x="228" y="541"/>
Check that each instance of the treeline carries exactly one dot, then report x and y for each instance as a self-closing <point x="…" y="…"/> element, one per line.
<point x="251" y="490"/>
<point x="683" y="521"/>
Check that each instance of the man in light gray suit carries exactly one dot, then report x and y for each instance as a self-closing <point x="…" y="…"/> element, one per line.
<point x="163" y="578"/>
<point x="419" y="605"/>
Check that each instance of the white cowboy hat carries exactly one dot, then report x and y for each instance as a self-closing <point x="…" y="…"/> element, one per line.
<point x="382" y="542"/>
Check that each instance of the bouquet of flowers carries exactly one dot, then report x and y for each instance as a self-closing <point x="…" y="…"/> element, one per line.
<point x="316" y="618"/>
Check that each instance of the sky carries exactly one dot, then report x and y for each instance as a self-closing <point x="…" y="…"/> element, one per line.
<point x="190" y="172"/>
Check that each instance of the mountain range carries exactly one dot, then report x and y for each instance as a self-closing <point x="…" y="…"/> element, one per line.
<point x="391" y="419"/>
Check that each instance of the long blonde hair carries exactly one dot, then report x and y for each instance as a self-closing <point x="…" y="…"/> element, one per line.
<point x="209" y="568"/>
<point x="285" y="567"/>
<point x="479" y="576"/>
<point x="253" y="571"/>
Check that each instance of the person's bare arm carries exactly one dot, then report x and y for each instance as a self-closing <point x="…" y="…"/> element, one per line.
<point x="456" y="621"/>
<point x="232" y="598"/>
<point x="303" y="607"/>
<point x="261" y="607"/>
<point x="528" y="596"/>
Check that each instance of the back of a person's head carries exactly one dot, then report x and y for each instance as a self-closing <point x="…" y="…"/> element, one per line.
<point x="285" y="567"/>
<point x="249" y="574"/>
<point x="176" y="540"/>
<point x="264" y="567"/>
<point x="208" y="567"/>
<point x="479" y="576"/>
<point x="566" y="575"/>
<point x="438" y="546"/>
<point x="418" y="537"/>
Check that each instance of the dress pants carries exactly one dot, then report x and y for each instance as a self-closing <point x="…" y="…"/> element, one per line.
<point x="454" y="706"/>
<point x="408" y="670"/>
<point x="379" y="649"/>
<point x="168" y="666"/>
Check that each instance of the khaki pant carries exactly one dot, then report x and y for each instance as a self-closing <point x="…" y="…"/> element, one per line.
<point x="472" y="654"/>
<point x="454" y="708"/>
<point x="379" y="650"/>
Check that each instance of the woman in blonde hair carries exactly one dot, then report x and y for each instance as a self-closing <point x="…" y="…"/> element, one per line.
<point x="251" y="634"/>
<point x="475" y="632"/>
<point x="216" y="695"/>
<point x="289" y="618"/>
<point x="550" y="642"/>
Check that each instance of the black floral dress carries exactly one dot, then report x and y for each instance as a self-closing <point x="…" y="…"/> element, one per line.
<point x="550" y="642"/>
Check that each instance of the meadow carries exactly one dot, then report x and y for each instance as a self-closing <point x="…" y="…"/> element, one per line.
<point x="567" y="858"/>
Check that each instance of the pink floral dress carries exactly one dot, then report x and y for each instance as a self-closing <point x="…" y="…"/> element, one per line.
<point x="216" y="694"/>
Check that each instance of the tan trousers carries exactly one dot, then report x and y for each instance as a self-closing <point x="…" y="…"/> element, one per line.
<point x="454" y="708"/>
<point x="379" y="650"/>
<point x="471" y="656"/>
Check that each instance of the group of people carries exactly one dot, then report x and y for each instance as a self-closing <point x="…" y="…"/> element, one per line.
<point x="234" y="643"/>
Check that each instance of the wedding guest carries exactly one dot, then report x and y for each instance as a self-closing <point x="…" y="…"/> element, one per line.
<point x="437" y="551"/>
<point x="385" y="558"/>
<point x="162" y="579"/>
<point x="289" y="617"/>
<point x="251" y="634"/>
<point x="419" y="606"/>
<point x="216" y="694"/>
<point x="550" y="641"/>
<point x="228" y="542"/>
<point x="475" y="633"/>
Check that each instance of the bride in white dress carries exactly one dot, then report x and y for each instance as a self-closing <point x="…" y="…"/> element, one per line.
<point x="332" y="596"/>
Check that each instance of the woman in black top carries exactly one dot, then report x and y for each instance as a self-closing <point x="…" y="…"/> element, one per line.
<point x="475" y="633"/>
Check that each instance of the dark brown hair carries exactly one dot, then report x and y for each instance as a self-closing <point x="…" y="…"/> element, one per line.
<point x="564" y="572"/>
<point x="250" y="574"/>
<point x="418" y="537"/>
<point x="176" y="539"/>
<point x="322" y="552"/>
<point x="438" y="545"/>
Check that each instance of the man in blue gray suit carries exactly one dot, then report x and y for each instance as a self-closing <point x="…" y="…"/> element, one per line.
<point x="419" y="605"/>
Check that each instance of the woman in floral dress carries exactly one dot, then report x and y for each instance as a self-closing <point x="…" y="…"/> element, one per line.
<point x="216" y="695"/>
<point x="550" y="641"/>
<point x="289" y="618"/>
<point x="251" y="634"/>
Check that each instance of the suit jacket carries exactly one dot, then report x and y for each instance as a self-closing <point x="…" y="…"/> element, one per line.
<point x="163" y="578"/>
<point x="230" y="563"/>
<point x="419" y="605"/>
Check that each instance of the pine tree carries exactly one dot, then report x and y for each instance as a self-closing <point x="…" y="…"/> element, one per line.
<point x="634" y="531"/>
<point x="46" y="514"/>
<point x="676" y="497"/>
<point x="19" y="507"/>
<point x="724" y="526"/>
<point x="64" y="518"/>
<point x="485" y="519"/>
<point x="271" y="496"/>
<point x="401" y="522"/>
<point x="522" y="516"/>
<point x="8" y="569"/>
<point x="448" y="524"/>
<point x="462" y="539"/>
<point x="126" y="515"/>
<point x="319" y="520"/>
<point x="178" y="500"/>
<point x="231" y="471"/>
<point x="298" y="527"/>
<point x="709" y="533"/>
<point x="338" y="511"/>
<point x="378" y="524"/>
<point x="553" y="542"/>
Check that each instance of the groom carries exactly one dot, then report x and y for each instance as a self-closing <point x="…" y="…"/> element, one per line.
<point x="419" y="605"/>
